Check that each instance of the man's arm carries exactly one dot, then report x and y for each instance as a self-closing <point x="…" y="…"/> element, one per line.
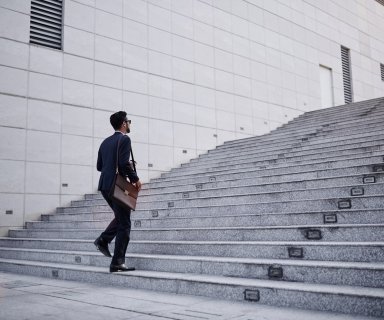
<point x="124" y="154"/>
<point x="99" y="164"/>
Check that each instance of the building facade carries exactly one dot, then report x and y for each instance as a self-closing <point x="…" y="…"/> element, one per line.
<point x="191" y="74"/>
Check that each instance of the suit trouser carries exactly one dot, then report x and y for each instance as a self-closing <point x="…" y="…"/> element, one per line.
<point x="120" y="227"/>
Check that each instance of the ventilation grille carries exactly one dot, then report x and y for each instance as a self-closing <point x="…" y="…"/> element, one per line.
<point x="347" y="81"/>
<point x="46" y="23"/>
<point x="382" y="71"/>
<point x="380" y="1"/>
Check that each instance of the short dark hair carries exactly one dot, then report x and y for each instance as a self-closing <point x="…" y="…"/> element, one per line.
<point x="117" y="119"/>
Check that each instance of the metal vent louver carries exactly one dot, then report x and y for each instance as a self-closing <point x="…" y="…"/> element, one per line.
<point x="382" y="71"/>
<point x="46" y="23"/>
<point x="347" y="79"/>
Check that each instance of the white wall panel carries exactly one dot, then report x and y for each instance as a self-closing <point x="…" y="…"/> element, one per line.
<point x="78" y="42"/>
<point x="109" y="25"/>
<point x="160" y="132"/>
<point x="78" y="68"/>
<point x="42" y="178"/>
<point x="108" y="75"/>
<point x="76" y="150"/>
<point x="108" y="50"/>
<point x="136" y="10"/>
<point x="13" y="54"/>
<point x="12" y="176"/>
<point x="13" y="111"/>
<point x="77" y="93"/>
<point x="46" y="61"/>
<point x="19" y="23"/>
<point x="79" y="16"/>
<point x="77" y="120"/>
<point x="12" y="151"/>
<point x="160" y="108"/>
<point x="107" y="98"/>
<point x="184" y="136"/>
<point x="13" y="81"/>
<point x="44" y="116"/>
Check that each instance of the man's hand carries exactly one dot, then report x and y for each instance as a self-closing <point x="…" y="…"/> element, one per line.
<point x="137" y="184"/>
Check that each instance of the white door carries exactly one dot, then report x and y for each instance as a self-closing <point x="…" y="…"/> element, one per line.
<point x="326" y="87"/>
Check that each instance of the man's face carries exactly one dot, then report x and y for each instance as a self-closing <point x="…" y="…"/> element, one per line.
<point x="127" y="124"/>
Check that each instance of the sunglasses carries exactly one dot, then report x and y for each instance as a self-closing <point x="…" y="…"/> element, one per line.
<point x="128" y="121"/>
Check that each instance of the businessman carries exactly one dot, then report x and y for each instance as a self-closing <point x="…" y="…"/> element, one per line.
<point x="120" y="226"/>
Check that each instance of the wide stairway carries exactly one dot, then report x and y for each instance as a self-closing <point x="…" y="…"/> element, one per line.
<point x="292" y="218"/>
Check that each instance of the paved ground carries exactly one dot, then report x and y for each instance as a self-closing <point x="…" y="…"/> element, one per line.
<point x="26" y="297"/>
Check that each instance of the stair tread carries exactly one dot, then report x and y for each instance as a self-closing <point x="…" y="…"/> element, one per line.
<point x="286" y="262"/>
<point x="303" y="226"/>
<point x="277" y="243"/>
<point x="272" y="284"/>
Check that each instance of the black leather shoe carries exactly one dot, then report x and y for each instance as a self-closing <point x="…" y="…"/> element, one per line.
<point x="102" y="247"/>
<point x="120" y="267"/>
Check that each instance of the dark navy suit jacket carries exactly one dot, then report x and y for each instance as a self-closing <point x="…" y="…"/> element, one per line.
<point x="106" y="160"/>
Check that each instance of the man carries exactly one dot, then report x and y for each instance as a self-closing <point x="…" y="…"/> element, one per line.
<point x="120" y="226"/>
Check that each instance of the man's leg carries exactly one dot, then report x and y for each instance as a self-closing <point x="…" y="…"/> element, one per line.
<point x="107" y="236"/>
<point x="110" y="232"/>
<point x="123" y="229"/>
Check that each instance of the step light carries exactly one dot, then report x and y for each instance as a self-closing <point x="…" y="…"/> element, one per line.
<point x="358" y="191"/>
<point x="330" y="218"/>
<point x="369" y="179"/>
<point x="275" y="272"/>
<point x="212" y="179"/>
<point x="378" y="168"/>
<point x="171" y="204"/>
<point x="313" y="234"/>
<point x="155" y="213"/>
<point x="9" y="212"/>
<point x="55" y="273"/>
<point x="78" y="259"/>
<point x="199" y="186"/>
<point x="137" y="224"/>
<point x="344" y="204"/>
<point x="185" y="195"/>
<point x="251" y="295"/>
<point x="295" y="252"/>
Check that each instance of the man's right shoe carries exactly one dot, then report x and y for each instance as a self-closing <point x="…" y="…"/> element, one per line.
<point x="102" y="247"/>
<point x="120" y="267"/>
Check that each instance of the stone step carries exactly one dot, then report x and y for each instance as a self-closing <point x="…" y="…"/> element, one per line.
<point x="301" y="150"/>
<point x="258" y="183"/>
<point x="318" y="136"/>
<point x="339" y="232"/>
<point x="268" y="176"/>
<point x="337" y="115"/>
<point x="372" y="162"/>
<point x="290" y="149"/>
<point x="347" y="299"/>
<point x="323" y="272"/>
<point x="213" y="207"/>
<point x="249" y="193"/>
<point x="161" y="220"/>
<point x="310" y="133"/>
<point x="304" y="250"/>
<point x="361" y="106"/>
<point x="266" y="182"/>
<point x="280" y="161"/>
<point x="316" y="120"/>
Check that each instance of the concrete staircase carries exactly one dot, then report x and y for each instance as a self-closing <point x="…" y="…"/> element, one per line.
<point x="292" y="218"/>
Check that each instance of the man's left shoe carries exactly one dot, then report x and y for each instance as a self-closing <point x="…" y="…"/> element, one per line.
<point x="102" y="246"/>
<point x="120" y="267"/>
